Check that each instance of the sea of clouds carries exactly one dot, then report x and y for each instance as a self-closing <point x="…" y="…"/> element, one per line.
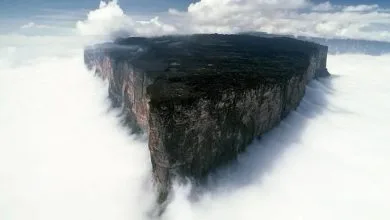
<point x="64" y="154"/>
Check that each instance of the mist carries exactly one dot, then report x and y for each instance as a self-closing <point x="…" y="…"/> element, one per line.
<point x="65" y="155"/>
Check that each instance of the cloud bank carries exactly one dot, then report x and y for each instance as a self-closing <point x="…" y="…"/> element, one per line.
<point x="293" y="17"/>
<point x="63" y="156"/>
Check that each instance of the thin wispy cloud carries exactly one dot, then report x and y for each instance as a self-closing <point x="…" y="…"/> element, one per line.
<point x="361" y="8"/>
<point x="33" y="25"/>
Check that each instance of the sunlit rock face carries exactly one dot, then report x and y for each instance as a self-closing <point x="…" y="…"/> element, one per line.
<point x="203" y="98"/>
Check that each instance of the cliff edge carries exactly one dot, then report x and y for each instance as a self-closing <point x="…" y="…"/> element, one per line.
<point x="203" y="98"/>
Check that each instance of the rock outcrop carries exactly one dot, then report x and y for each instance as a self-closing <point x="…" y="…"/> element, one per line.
<point x="203" y="98"/>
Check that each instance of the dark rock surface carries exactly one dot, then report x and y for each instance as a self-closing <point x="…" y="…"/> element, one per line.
<point x="203" y="98"/>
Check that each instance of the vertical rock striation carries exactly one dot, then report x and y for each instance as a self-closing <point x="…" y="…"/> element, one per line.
<point x="203" y="98"/>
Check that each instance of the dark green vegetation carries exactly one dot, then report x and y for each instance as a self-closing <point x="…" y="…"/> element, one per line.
<point x="199" y="54"/>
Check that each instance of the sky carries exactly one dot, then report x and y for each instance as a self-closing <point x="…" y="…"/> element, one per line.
<point x="361" y="19"/>
<point x="17" y="8"/>
<point x="9" y="6"/>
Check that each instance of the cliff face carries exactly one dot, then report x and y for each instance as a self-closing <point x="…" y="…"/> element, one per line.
<point x="203" y="98"/>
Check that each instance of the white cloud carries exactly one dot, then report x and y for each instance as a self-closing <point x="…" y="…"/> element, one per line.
<point x="361" y="8"/>
<point x="153" y="27"/>
<point x="109" y="19"/>
<point x="326" y="6"/>
<point x="33" y="25"/>
<point x="296" y="17"/>
<point x="28" y="25"/>
<point x="235" y="14"/>
<point x="67" y="158"/>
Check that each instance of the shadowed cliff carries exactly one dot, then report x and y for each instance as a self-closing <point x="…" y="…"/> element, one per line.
<point x="202" y="99"/>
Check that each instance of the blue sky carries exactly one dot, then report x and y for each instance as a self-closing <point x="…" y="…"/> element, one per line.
<point x="17" y="12"/>
<point x="382" y="3"/>
<point x="18" y="8"/>
<point x="13" y="7"/>
<point x="25" y="9"/>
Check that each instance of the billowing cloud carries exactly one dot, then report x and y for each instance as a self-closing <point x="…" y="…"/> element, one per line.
<point x="110" y="19"/>
<point x="294" y="17"/>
